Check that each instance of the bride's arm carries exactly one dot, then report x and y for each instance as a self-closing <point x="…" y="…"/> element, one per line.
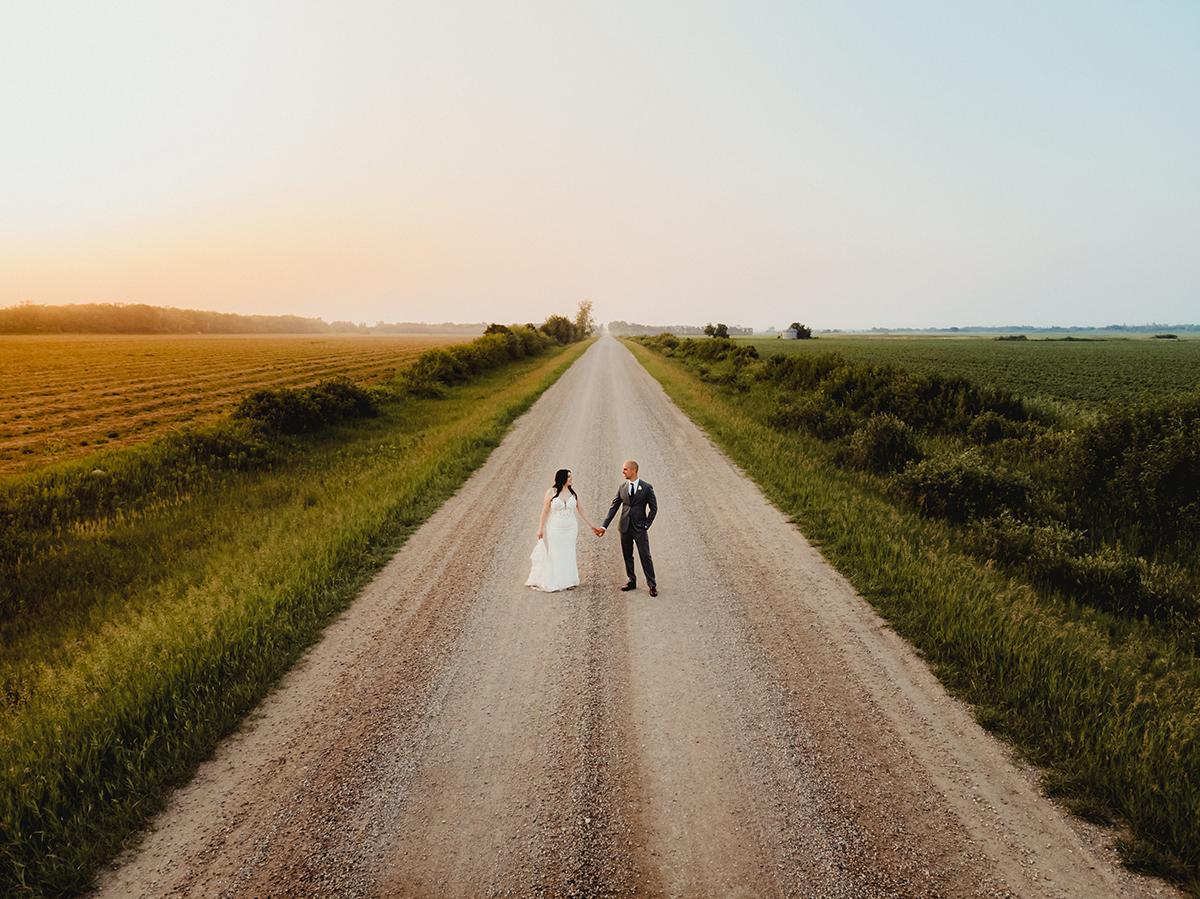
<point x="545" y="511"/>
<point x="579" y="509"/>
<point x="583" y="514"/>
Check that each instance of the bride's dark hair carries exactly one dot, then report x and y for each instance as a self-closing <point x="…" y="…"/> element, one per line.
<point x="560" y="478"/>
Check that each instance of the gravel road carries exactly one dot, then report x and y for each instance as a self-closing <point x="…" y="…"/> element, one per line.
<point x="755" y="730"/>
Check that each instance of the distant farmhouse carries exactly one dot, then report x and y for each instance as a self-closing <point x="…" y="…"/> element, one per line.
<point x="796" y="331"/>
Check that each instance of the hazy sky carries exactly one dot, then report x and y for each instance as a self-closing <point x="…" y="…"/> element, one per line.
<point x="845" y="163"/>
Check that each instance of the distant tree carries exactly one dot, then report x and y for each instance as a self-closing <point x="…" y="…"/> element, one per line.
<point x="721" y="330"/>
<point x="585" y="325"/>
<point x="494" y="328"/>
<point x="803" y="332"/>
<point x="709" y="330"/>
<point x="560" y="328"/>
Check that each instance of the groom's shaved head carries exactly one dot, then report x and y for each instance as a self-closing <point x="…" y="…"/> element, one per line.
<point x="630" y="467"/>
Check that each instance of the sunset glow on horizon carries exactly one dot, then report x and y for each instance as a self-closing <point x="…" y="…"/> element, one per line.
<point x="926" y="164"/>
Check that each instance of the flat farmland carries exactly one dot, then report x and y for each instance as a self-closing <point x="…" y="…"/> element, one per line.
<point x="1085" y="374"/>
<point x="64" y="396"/>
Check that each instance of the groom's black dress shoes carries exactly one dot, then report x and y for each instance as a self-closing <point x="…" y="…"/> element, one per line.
<point x="630" y="586"/>
<point x="654" y="591"/>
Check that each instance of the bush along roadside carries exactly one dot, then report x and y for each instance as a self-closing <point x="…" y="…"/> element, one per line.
<point x="431" y="373"/>
<point x="1127" y="486"/>
<point x="1069" y="625"/>
<point x="287" y="410"/>
<point x="157" y="592"/>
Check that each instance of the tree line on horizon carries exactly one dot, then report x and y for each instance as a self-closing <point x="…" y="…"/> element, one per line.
<point x="634" y="329"/>
<point x="140" y="318"/>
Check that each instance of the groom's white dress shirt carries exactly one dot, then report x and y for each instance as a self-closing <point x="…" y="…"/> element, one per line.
<point x="633" y="486"/>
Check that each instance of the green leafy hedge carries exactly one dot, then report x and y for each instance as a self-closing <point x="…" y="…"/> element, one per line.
<point x="304" y="410"/>
<point x="435" y="370"/>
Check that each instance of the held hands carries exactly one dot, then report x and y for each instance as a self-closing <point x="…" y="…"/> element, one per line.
<point x="599" y="532"/>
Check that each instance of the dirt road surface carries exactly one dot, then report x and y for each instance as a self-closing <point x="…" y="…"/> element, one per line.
<point x="755" y="730"/>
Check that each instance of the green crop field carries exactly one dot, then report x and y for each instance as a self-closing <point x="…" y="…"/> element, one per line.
<point x="1083" y="373"/>
<point x="64" y="396"/>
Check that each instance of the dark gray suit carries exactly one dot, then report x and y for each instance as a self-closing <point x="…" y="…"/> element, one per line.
<point x="637" y="514"/>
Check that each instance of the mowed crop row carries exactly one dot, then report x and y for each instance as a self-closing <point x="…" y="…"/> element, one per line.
<point x="1085" y="374"/>
<point x="63" y="396"/>
<point x="91" y="401"/>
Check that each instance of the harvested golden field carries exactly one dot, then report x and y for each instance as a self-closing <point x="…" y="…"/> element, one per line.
<point x="63" y="396"/>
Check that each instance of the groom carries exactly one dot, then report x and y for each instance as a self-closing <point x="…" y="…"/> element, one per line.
<point x="635" y="499"/>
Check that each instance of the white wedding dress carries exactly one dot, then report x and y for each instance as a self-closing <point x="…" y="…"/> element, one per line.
<point x="554" y="567"/>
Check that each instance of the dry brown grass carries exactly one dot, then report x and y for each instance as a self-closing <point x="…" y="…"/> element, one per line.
<point x="63" y="396"/>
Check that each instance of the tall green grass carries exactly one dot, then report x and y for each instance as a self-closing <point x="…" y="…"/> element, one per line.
<point x="185" y="601"/>
<point x="1108" y="706"/>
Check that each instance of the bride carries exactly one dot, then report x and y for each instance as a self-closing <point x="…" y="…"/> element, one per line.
<point x="553" y="557"/>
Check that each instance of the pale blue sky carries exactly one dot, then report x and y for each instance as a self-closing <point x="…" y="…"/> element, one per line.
<point x="850" y="164"/>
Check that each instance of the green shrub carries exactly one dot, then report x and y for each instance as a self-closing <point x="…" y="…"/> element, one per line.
<point x="1110" y="578"/>
<point x="1138" y="470"/>
<point x="992" y="427"/>
<point x="288" y="410"/>
<point x="800" y="372"/>
<point x="433" y="370"/>
<point x="882" y="444"/>
<point x="532" y="340"/>
<point x="961" y="487"/>
<point x="1010" y="541"/>
<point x="280" y="409"/>
<point x="714" y="350"/>
<point x="561" y="328"/>
<point x="442" y="367"/>
<point x="811" y="413"/>
<point x="934" y="402"/>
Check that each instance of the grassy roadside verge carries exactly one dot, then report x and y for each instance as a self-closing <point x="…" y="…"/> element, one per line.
<point x="1108" y="707"/>
<point x="119" y="702"/>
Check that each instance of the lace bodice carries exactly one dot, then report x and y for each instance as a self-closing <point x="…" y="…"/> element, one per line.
<point x="559" y="504"/>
